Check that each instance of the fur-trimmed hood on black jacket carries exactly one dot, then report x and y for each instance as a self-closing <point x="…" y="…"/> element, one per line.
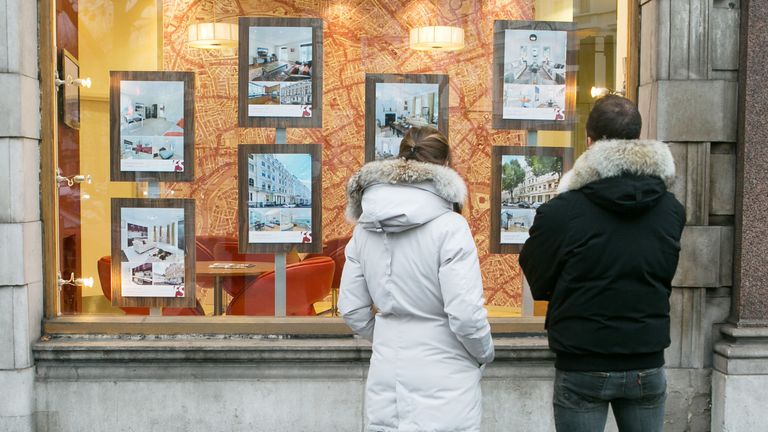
<point x="604" y="252"/>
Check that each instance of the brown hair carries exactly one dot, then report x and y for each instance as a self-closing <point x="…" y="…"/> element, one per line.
<point x="425" y="144"/>
<point x="614" y="117"/>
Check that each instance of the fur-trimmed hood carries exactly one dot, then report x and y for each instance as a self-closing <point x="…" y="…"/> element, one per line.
<point x="396" y="187"/>
<point x="611" y="158"/>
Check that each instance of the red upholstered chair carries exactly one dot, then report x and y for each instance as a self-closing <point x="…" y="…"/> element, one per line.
<point x="307" y="282"/>
<point x="105" y="278"/>
<point x="228" y="251"/>
<point x="334" y="249"/>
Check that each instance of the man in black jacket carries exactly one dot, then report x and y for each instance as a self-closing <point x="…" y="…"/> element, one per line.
<point x="603" y="253"/>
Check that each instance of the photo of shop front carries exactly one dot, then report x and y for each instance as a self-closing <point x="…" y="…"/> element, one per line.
<point x="260" y="344"/>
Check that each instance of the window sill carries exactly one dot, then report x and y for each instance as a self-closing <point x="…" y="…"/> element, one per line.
<point x="238" y="325"/>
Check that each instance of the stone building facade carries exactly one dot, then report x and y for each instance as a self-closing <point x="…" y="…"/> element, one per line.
<point x="702" y="89"/>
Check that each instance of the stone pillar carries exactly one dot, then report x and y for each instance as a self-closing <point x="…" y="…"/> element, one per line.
<point x="688" y="98"/>
<point x="21" y="292"/>
<point x="740" y="378"/>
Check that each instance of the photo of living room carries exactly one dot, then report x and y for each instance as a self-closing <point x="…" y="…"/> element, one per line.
<point x="152" y="251"/>
<point x="152" y="126"/>
<point x="279" y="198"/>
<point x="400" y="106"/>
<point x="534" y="74"/>
<point x="280" y="71"/>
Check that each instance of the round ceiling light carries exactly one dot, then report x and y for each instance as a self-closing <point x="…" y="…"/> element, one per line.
<point x="437" y="38"/>
<point x="212" y="35"/>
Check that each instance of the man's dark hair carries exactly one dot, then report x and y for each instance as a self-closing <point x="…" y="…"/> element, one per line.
<point x="614" y="117"/>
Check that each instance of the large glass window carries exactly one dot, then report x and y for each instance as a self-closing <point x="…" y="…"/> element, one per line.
<point x="359" y="37"/>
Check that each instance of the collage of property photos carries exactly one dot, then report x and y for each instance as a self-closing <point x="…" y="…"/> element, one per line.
<point x="534" y="74"/>
<point x="152" y="126"/>
<point x="527" y="182"/>
<point x="399" y="106"/>
<point x="279" y="198"/>
<point x="280" y="72"/>
<point x="152" y="252"/>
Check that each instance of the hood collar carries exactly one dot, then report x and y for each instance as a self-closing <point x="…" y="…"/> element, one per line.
<point x="612" y="158"/>
<point x="447" y="183"/>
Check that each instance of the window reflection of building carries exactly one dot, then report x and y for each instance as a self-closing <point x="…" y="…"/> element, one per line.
<point x="298" y="93"/>
<point x="536" y="189"/>
<point x="271" y="184"/>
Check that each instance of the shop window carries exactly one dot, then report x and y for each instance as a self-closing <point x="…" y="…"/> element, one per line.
<point x="151" y="36"/>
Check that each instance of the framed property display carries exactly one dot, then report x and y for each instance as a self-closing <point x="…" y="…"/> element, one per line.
<point x="280" y="69"/>
<point x="70" y="94"/>
<point x="279" y="200"/>
<point x="152" y="126"/>
<point x="153" y="252"/>
<point x="534" y="75"/>
<point x="522" y="179"/>
<point x="395" y="103"/>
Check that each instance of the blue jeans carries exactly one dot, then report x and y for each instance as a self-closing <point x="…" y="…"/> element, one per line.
<point x="637" y="398"/>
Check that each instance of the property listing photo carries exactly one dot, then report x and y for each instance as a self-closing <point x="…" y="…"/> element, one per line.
<point x="280" y="71"/>
<point x="534" y="74"/>
<point x="152" y="252"/>
<point x="394" y="103"/>
<point x="279" y="198"/>
<point x="400" y="106"/>
<point x="525" y="178"/>
<point x="152" y="126"/>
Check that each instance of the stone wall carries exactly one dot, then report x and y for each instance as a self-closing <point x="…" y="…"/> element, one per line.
<point x="21" y="302"/>
<point x="688" y="98"/>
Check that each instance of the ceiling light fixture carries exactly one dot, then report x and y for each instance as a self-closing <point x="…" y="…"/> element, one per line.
<point x="212" y="35"/>
<point x="437" y="38"/>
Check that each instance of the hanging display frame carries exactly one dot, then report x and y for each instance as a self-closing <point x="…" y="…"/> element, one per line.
<point x="537" y="90"/>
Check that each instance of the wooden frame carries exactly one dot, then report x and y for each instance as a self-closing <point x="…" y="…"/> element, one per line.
<point x="188" y="209"/>
<point x="372" y="80"/>
<point x="315" y="118"/>
<point x="569" y="113"/>
<point x="151" y="142"/>
<point x="69" y="70"/>
<point x="316" y="243"/>
<point x="497" y="152"/>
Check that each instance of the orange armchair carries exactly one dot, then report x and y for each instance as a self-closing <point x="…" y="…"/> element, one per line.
<point x="307" y="282"/>
<point x="228" y="250"/>
<point x="334" y="249"/>
<point x="104" y="266"/>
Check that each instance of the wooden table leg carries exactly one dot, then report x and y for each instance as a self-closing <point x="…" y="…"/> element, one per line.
<point x="217" y="293"/>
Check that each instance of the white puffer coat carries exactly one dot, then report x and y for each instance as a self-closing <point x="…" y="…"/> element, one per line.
<point x="415" y="259"/>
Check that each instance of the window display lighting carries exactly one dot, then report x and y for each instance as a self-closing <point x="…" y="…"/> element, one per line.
<point x="71" y="180"/>
<point x="437" y="38"/>
<point x="85" y="282"/>
<point x="213" y="35"/>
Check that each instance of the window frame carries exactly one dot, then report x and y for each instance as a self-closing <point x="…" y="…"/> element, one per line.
<point x="55" y="324"/>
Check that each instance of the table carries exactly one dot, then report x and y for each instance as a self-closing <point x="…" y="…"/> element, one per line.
<point x="203" y="268"/>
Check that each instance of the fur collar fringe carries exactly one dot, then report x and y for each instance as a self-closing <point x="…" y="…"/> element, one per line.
<point x="448" y="183"/>
<point x="611" y="158"/>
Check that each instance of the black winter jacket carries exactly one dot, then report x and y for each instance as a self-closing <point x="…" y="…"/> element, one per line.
<point x="603" y="253"/>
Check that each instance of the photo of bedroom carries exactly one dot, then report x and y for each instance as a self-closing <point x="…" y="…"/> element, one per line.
<point x="152" y="252"/>
<point x="400" y="106"/>
<point x="280" y="71"/>
<point x="534" y="74"/>
<point x="152" y="126"/>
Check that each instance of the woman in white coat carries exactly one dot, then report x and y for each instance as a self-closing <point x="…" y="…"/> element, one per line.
<point x="413" y="257"/>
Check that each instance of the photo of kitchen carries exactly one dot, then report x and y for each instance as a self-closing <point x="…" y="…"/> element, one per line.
<point x="399" y="106"/>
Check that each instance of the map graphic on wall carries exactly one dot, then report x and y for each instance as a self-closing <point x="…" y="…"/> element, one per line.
<point x="396" y="103"/>
<point x="280" y="64"/>
<point x="525" y="178"/>
<point x="277" y="196"/>
<point x="150" y="243"/>
<point x="152" y="126"/>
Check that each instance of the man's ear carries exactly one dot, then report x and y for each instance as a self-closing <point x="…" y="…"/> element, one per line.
<point x="589" y="142"/>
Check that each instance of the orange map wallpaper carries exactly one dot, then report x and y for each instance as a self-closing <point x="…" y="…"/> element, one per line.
<point x="360" y="36"/>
